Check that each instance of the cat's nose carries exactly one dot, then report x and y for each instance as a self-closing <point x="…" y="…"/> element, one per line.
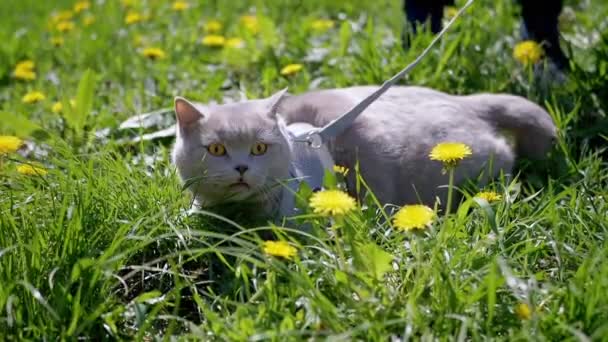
<point x="241" y="169"/>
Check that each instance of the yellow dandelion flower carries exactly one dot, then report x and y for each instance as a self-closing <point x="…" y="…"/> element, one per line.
<point x="57" y="107"/>
<point x="450" y="12"/>
<point x="411" y="217"/>
<point x="341" y="170"/>
<point x="180" y="6"/>
<point x="57" y="41"/>
<point x="88" y="20"/>
<point x="65" y="26"/>
<point x="153" y="53"/>
<point x="133" y="18"/>
<point x="523" y="311"/>
<point x="251" y="23"/>
<point x="212" y="26"/>
<point x="213" y="40"/>
<point x="62" y="16"/>
<point x="9" y="144"/>
<point x="332" y="202"/>
<point x="489" y="196"/>
<point x="25" y="64"/>
<point x="450" y="153"/>
<point x="33" y="97"/>
<point x="322" y="25"/>
<point x="291" y="69"/>
<point x="30" y="170"/>
<point x="235" y="43"/>
<point x="24" y="71"/>
<point x="24" y="74"/>
<point x="81" y="6"/>
<point x="279" y="249"/>
<point x="528" y="52"/>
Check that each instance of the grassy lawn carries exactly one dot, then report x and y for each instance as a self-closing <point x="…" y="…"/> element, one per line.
<point x="96" y="242"/>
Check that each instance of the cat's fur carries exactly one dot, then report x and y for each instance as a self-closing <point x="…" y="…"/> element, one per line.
<point x="237" y="126"/>
<point x="391" y="140"/>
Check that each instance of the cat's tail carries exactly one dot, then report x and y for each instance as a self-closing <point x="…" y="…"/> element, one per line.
<point x="531" y="126"/>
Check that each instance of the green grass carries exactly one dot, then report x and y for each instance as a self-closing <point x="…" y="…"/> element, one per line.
<point x="102" y="247"/>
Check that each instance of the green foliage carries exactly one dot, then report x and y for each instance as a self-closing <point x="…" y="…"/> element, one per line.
<point x="19" y="125"/>
<point x="103" y="246"/>
<point x="76" y="116"/>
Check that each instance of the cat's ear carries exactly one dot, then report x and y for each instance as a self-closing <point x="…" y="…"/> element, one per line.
<point x="274" y="101"/>
<point x="281" y="122"/>
<point x="187" y="113"/>
<point x="282" y="125"/>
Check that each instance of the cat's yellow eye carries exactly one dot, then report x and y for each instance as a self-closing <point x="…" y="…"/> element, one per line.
<point x="259" y="148"/>
<point x="217" y="149"/>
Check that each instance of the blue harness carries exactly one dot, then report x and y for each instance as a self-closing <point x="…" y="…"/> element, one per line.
<point x="308" y="165"/>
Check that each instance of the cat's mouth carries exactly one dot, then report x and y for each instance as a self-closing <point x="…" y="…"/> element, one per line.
<point x="240" y="185"/>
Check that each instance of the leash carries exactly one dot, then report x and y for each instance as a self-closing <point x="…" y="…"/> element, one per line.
<point x="317" y="137"/>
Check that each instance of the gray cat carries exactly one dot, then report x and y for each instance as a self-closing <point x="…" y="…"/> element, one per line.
<point x="242" y="151"/>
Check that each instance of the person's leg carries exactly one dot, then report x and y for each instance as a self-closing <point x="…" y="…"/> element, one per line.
<point x="417" y="12"/>
<point x="541" y="24"/>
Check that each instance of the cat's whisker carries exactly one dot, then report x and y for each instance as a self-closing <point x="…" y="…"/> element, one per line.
<point x="268" y="195"/>
<point x="194" y="181"/>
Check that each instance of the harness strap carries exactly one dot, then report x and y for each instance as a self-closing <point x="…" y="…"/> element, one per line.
<point x="317" y="137"/>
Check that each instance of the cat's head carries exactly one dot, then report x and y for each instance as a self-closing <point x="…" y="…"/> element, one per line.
<point x="231" y="152"/>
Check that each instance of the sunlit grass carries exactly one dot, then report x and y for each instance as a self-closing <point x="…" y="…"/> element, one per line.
<point x="96" y="240"/>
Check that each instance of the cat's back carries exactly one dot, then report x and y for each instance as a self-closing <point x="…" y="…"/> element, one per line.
<point x="400" y="103"/>
<point x="395" y="94"/>
<point x="408" y="116"/>
<point x="403" y="116"/>
<point x="405" y="105"/>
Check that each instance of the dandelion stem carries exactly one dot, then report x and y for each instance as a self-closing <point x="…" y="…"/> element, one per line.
<point x="336" y="228"/>
<point x="450" y="188"/>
